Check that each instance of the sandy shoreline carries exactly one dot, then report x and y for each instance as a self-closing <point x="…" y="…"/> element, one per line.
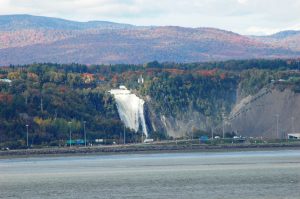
<point x="143" y="148"/>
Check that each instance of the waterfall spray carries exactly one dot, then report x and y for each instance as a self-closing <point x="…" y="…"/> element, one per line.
<point x="130" y="109"/>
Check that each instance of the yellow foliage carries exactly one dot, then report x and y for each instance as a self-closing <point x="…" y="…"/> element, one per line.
<point x="13" y="75"/>
<point x="42" y="122"/>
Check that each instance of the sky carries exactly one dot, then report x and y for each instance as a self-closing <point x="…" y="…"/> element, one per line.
<point x="249" y="17"/>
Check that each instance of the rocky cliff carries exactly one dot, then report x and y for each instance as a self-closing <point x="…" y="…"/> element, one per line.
<point x="257" y="115"/>
<point x="251" y="116"/>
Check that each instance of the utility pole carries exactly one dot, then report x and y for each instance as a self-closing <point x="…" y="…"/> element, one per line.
<point x="84" y="122"/>
<point x="192" y="132"/>
<point x="212" y="133"/>
<point x="27" y="135"/>
<point x="277" y="125"/>
<point x="124" y="134"/>
<point x="70" y="133"/>
<point x="42" y="109"/>
<point x="293" y="125"/>
<point x="223" y="125"/>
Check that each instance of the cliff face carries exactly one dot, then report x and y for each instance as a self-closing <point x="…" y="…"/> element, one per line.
<point x="257" y="115"/>
<point x="181" y="126"/>
<point x="251" y="116"/>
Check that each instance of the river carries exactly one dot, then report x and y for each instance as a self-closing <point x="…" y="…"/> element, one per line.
<point x="211" y="175"/>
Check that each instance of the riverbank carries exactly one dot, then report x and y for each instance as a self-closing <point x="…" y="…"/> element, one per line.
<point x="145" y="148"/>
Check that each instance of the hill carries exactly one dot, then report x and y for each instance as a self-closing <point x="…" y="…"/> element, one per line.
<point x="180" y="100"/>
<point x="24" y="22"/>
<point x="288" y="39"/>
<point x="26" y="39"/>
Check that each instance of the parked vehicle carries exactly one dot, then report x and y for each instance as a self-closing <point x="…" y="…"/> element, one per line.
<point x="148" y="140"/>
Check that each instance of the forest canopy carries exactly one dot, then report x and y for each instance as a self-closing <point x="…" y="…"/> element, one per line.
<point x="54" y="98"/>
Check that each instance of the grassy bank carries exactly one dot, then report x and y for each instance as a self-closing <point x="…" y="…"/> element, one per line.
<point x="146" y="148"/>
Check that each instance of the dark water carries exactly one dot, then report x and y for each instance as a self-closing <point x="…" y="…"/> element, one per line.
<point x="232" y="175"/>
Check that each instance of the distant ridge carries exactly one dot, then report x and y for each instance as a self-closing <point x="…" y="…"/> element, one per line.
<point x="285" y="34"/>
<point x="27" y="39"/>
<point x="21" y="22"/>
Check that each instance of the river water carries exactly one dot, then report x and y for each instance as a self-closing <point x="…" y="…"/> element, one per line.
<point x="213" y="175"/>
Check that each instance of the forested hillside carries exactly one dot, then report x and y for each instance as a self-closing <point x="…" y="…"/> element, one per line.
<point x="26" y="39"/>
<point x="47" y="98"/>
<point x="53" y="98"/>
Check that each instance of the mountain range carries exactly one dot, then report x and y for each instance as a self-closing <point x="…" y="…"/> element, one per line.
<point x="26" y="39"/>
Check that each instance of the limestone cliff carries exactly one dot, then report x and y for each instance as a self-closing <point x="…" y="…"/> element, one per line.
<point x="257" y="115"/>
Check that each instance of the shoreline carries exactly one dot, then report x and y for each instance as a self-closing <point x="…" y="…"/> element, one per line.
<point x="142" y="149"/>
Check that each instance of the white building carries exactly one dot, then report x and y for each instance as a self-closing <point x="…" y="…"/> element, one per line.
<point x="122" y="87"/>
<point x="294" y="136"/>
<point x="6" y="81"/>
<point x="141" y="80"/>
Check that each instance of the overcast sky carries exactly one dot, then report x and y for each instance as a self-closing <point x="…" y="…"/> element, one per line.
<point x="243" y="16"/>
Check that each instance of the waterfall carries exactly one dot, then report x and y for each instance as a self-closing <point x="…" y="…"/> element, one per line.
<point x="130" y="108"/>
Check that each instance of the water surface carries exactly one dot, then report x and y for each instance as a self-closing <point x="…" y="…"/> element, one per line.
<point x="232" y="175"/>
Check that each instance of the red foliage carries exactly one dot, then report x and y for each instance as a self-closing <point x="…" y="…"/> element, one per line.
<point x="62" y="89"/>
<point x="33" y="76"/>
<point x="88" y="75"/>
<point x="129" y="74"/>
<point x="207" y="73"/>
<point x="6" y="98"/>
<point x="176" y="71"/>
<point x="223" y="76"/>
<point x="150" y="72"/>
<point x="115" y="79"/>
<point x="101" y="78"/>
<point x="5" y="68"/>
